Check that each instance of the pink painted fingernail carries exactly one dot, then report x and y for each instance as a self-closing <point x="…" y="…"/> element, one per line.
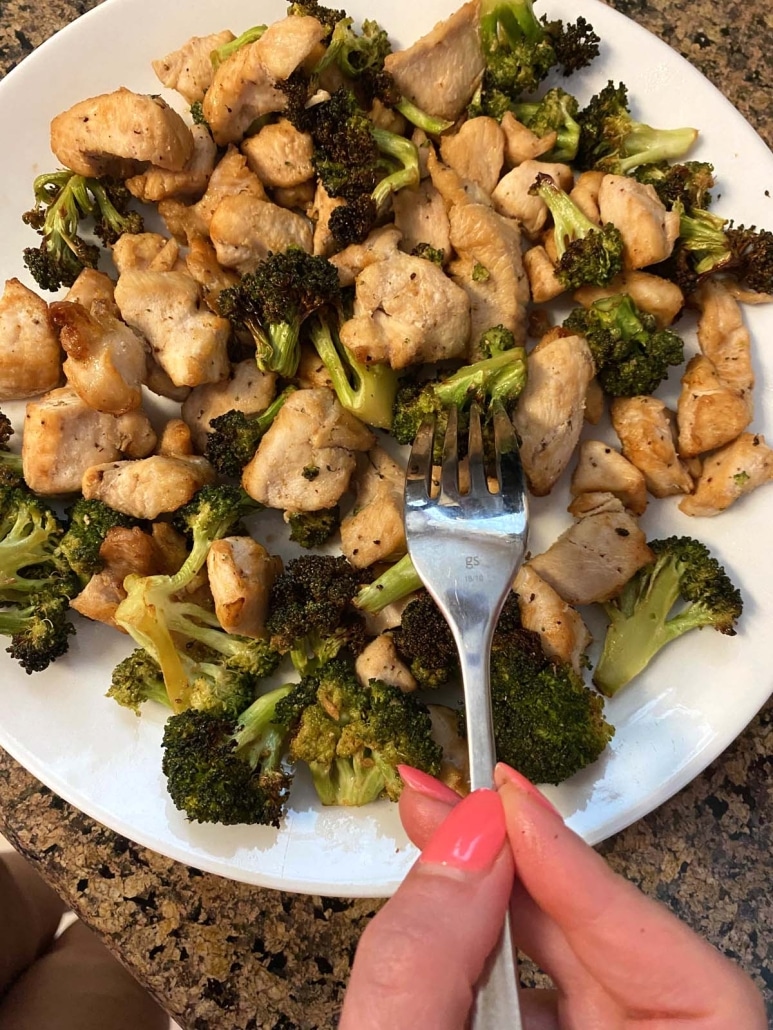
<point x="506" y="774"/>
<point x="471" y="837"/>
<point x="427" y="785"/>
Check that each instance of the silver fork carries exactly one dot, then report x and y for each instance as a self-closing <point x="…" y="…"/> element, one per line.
<point x="466" y="548"/>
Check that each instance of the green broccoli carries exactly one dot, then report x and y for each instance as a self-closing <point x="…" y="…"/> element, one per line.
<point x="588" y="254"/>
<point x="38" y="628"/>
<point x="632" y="356"/>
<point x="327" y="16"/>
<point x="274" y="300"/>
<point x="221" y="769"/>
<point x="555" y="112"/>
<point x="30" y="533"/>
<point x="136" y="680"/>
<point x="611" y="141"/>
<point x="396" y="582"/>
<point x="223" y="52"/>
<point x="11" y="471"/>
<point x="426" y="643"/>
<point x="684" y="588"/>
<point x="234" y="436"/>
<point x="356" y="54"/>
<point x="688" y="183"/>
<point x="313" y="528"/>
<point x="88" y="523"/>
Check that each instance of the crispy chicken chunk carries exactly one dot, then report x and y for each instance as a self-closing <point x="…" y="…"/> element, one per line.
<point x="148" y="486"/>
<point x="476" y="152"/>
<point x="190" y="182"/>
<point x="380" y="661"/>
<point x="241" y="574"/>
<point x="512" y="198"/>
<point x="30" y="355"/>
<point x="585" y="194"/>
<point x="280" y="155"/>
<point x="188" y="341"/>
<point x="659" y="297"/>
<point x="544" y="284"/>
<point x="63" y="437"/>
<point x="729" y="474"/>
<point x="602" y="468"/>
<point x="202" y="264"/>
<point x="145" y="251"/>
<point x="381" y="244"/>
<point x="91" y="286"/>
<point x="648" y="230"/>
<point x="124" y="552"/>
<point x="647" y="433"/>
<point x="723" y="336"/>
<point x="710" y="412"/>
<point x="189" y="69"/>
<point x="247" y="389"/>
<point x="322" y="207"/>
<point x="120" y="134"/>
<point x="549" y="414"/>
<point x="561" y="629"/>
<point x="420" y="215"/>
<point x="521" y="144"/>
<point x="307" y="457"/>
<point x="245" y="230"/>
<point x="374" y="531"/>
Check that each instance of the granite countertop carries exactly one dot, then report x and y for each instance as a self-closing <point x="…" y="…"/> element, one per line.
<point x="224" y="955"/>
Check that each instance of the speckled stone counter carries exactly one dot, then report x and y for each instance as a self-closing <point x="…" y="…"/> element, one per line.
<point x="223" y="955"/>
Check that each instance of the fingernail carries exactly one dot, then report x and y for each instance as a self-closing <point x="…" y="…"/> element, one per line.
<point x="427" y="785"/>
<point x="506" y="774"/>
<point x="471" y="837"/>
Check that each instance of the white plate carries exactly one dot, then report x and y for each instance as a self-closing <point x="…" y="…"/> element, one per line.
<point x="695" y="698"/>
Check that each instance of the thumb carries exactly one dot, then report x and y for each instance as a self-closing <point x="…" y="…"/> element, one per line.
<point x="420" y="957"/>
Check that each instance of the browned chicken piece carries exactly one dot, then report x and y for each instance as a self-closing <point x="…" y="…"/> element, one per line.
<point x="659" y="297"/>
<point x="603" y="468"/>
<point x="158" y="382"/>
<point x="307" y="457"/>
<point x="190" y="182"/>
<point x="724" y="337"/>
<point x="244" y="86"/>
<point x="241" y="575"/>
<point x="187" y="340"/>
<point x="63" y="437"/>
<point x="147" y="487"/>
<point x="585" y="194"/>
<point x="544" y="284"/>
<point x="30" y="355"/>
<point x="595" y="503"/>
<point x="561" y="630"/>
<point x="120" y="134"/>
<point x="189" y="68"/>
<point x="390" y="616"/>
<point x="512" y="197"/>
<point x="124" y="552"/>
<point x="594" y="559"/>
<point x="647" y="433"/>
<point x="320" y="211"/>
<point x="374" y="531"/>
<point x="246" y="389"/>
<point x="312" y="370"/>
<point x="451" y="186"/>
<point x="201" y="263"/>
<point x="175" y="439"/>
<point x="380" y="661"/>
<point x="296" y="198"/>
<point x="381" y="244"/>
<point x="647" y="228"/>
<point x="476" y="152"/>
<point x="383" y="117"/>
<point x="106" y="360"/>
<point x="442" y="70"/>
<point x="729" y="474"/>
<point x="142" y="251"/>
<point x="91" y="286"/>
<point x="406" y="312"/>
<point x="455" y="763"/>
<point x="549" y="414"/>
<point x="521" y="144"/>
<point x="710" y="412"/>
<point x="420" y="215"/>
<point x="246" y="230"/>
<point x="280" y="155"/>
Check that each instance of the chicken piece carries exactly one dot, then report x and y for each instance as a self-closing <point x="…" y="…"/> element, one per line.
<point x="451" y="186"/>
<point x="188" y="341"/>
<point x="601" y="468"/>
<point x="30" y="355"/>
<point x="120" y="134"/>
<point x="455" y="763"/>
<point x="142" y="251"/>
<point x="106" y="360"/>
<point x="124" y="552"/>
<point x="91" y="286"/>
<point x="594" y="403"/>
<point x="646" y="430"/>
<point x="476" y="151"/>
<point x="380" y="661"/>
<point x="710" y="412"/>
<point x="190" y="182"/>
<point x="648" y="229"/>
<point x="544" y="284"/>
<point x="420" y="216"/>
<point x="383" y="117"/>
<point x="63" y="437"/>
<point x="189" y="69"/>
<point x="241" y="575"/>
<point x="148" y="486"/>
<point x="729" y="474"/>
<point x="521" y="144"/>
<point x="724" y="337"/>
<point x="585" y="194"/>
<point x="175" y="439"/>
<point x="390" y="616"/>
<point x="244" y="86"/>
<point x="245" y="230"/>
<point x="549" y="414"/>
<point x="158" y="382"/>
<point x="561" y="630"/>
<point x="201" y="263"/>
<point x="296" y="198"/>
<point x="407" y="311"/>
<point x="312" y="370"/>
<point x="320" y="211"/>
<point x="247" y="389"/>
<point x="659" y="297"/>
<point x="442" y="70"/>
<point x="594" y="559"/>
<point x="374" y="531"/>
<point x="307" y="457"/>
<point x="381" y="244"/>
<point x="512" y="198"/>
<point x="280" y="155"/>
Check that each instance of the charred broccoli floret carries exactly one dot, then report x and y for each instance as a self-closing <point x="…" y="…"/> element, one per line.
<point x="688" y="183"/>
<point x="555" y="112"/>
<point x="234" y="436"/>
<point x="327" y="16"/>
<point x="425" y="642"/>
<point x="137" y="680"/>
<point x="11" y="471"/>
<point x="38" y="628"/>
<point x="313" y="528"/>
<point x="684" y="588"/>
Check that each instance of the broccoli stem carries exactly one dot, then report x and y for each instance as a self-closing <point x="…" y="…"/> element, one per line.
<point x="403" y="151"/>
<point x="645" y="145"/>
<point x="256" y="737"/>
<point x="431" y="124"/>
<point x="249" y="36"/>
<point x="570" y="222"/>
<point x="513" y="19"/>
<point x="501" y="378"/>
<point x="399" y="580"/>
<point x="347" y="781"/>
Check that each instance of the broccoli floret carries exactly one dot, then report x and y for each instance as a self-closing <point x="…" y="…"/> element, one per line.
<point x="355" y="53"/>
<point x="632" y="356"/>
<point x="137" y="680"/>
<point x="274" y="300"/>
<point x="112" y="217"/>
<point x="88" y="523"/>
<point x="234" y="436"/>
<point x="425" y="642"/>
<point x="312" y="529"/>
<point x="495" y="340"/>
<point x="688" y="183"/>
<point x="327" y="16"/>
<point x="576" y="44"/>
<point x="224" y="770"/>
<point x="684" y="588"/>
<point x="353" y="738"/>
<point x="197" y="113"/>
<point x="223" y="52"/>
<point x="395" y="583"/>
<point x="611" y="141"/>
<point x="11" y="471"/>
<point x="38" y="628"/>
<point x="555" y="112"/>
<point x="588" y="254"/>
<point x="429" y="253"/>
<point x="30" y="533"/>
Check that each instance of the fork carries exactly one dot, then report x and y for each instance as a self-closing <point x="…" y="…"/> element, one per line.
<point x="466" y="548"/>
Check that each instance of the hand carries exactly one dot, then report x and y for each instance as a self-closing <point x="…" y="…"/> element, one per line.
<point x="618" y="959"/>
